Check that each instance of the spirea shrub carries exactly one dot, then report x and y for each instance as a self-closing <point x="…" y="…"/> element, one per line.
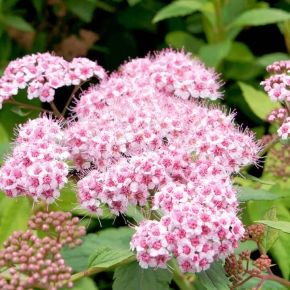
<point x="142" y="137"/>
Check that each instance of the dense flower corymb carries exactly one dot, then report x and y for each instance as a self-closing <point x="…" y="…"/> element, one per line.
<point x="140" y="137"/>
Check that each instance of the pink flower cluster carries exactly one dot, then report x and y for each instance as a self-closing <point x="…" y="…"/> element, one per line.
<point x="140" y="137"/>
<point x="36" y="167"/>
<point x="144" y="138"/>
<point x="284" y="130"/>
<point x="277" y="114"/>
<point x="277" y="85"/>
<point x="43" y="73"/>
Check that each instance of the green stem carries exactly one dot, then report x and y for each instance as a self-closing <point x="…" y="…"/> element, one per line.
<point x="220" y="31"/>
<point x="179" y="278"/>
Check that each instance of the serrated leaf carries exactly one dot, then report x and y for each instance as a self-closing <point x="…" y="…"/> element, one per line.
<point x="182" y="39"/>
<point x="17" y="22"/>
<point x="270" y="235"/>
<point x="133" y="277"/>
<point x="108" y="257"/>
<point x="257" y="17"/>
<point x="14" y="215"/>
<point x="258" y="101"/>
<point x="214" y="278"/>
<point x="280" y="225"/>
<point x="178" y="8"/>
<point x="113" y="238"/>
<point x="248" y="193"/>
<point x="213" y="54"/>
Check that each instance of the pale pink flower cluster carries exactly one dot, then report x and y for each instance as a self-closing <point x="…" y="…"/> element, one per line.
<point x="140" y="137"/>
<point x="146" y="139"/>
<point x="43" y="73"/>
<point x="277" y="115"/>
<point x="36" y="167"/>
<point x="277" y="87"/>
<point x="284" y="130"/>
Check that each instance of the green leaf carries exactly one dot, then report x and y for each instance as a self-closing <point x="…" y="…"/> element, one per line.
<point x="240" y="53"/>
<point x="133" y="2"/>
<point x="270" y="235"/>
<point x="4" y="143"/>
<point x="213" y="54"/>
<point x="214" y="278"/>
<point x="280" y="225"/>
<point x="67" y="200"/>
<point x="178" y="8"/>
<point x="107" y="257"/>
<point x="16" y="22"/>
<point x="113" y="238"/>
<point x="258" y="101"/>
<point x="248" y="193"/>
<point x="84" y="284"/>
<point x="181" y="39"/>
<point x="14" y="215"/>
<point x="267" y="285"/>
<point x="257" y="17"/>
<point x="132" y="277"/>
<point x="134" y="213"/>
<point x="280" y="250"/>
<point x="268" y="59"/>
<point x="83" y="9"/>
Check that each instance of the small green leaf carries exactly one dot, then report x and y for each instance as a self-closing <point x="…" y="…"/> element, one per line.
<point x="213" y="54"/>
<point x="107" y="257"/>
<point x="133" y="277"/>
<point x="280" y="225"/>
<point x="257" y="17"/>
<point x="67" y="200"/>
<point x="117" y="239"/>
<point x="258" y="101"/>
<point x="214" y="278"/>
<point x="181" y="39"/>
<point x="16" y="22"/>
<point x="178" y="8"/>
<point x="240" y="53"/>
<point x="4" y="143"/>
<point x="83" y="9"/>
<point x="133" y="2"/>
<point x="270" y="235"/>
<point x="14" y="215"/>
<point x="84" y="284"/>
<point x="268" y="59"/>
<point x="248" y="193"/>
